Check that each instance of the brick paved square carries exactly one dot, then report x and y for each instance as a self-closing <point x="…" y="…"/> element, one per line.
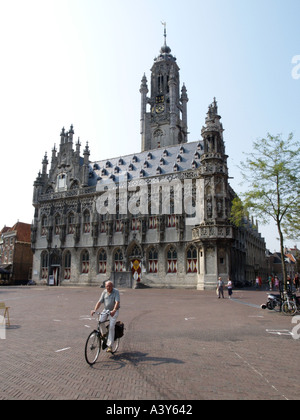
<point x="178" y="345"/>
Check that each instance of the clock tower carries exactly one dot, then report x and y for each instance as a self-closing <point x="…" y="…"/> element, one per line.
<point x="164" y="123"/>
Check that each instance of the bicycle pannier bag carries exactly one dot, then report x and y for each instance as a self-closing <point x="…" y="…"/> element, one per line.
<point x="119" y="329"/>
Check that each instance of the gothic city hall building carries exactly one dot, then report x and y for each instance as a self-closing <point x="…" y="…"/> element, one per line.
<point x="159" y="217"/>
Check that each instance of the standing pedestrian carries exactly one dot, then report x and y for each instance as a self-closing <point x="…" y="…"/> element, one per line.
<point x="276" y="283"/>
<point x="220" y="286"/>
<point x="270" y="282"/>
<point x="229" y="288"/>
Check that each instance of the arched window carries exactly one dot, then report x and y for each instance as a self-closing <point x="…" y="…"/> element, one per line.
<point x="102" y="261"/>
<point x="118" y="257"/>
<point x="67" y="266"/>
<point x="152" y="260"/>
<point x="44" y="265"/>
<point x="85" y="262"/>
<point x="172" y="260"/>
<point x="191" y="260"/>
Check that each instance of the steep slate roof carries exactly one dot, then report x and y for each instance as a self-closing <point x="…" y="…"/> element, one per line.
<point x="183" y="157"/>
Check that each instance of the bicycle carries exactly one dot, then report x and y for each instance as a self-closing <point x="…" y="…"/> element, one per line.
<point x="96" y="341"/>
<point x="289" y="306"/>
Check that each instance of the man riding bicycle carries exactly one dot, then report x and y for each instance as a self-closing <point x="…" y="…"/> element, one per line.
<point x="111" y="299"/>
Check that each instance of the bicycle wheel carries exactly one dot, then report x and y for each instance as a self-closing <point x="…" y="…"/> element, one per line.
<point x="92" y="348"/>
<point x="115" y="345"/>
<point x="289" y="308"/>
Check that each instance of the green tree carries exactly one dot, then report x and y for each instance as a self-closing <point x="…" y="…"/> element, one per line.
<point x="272" y="172"/>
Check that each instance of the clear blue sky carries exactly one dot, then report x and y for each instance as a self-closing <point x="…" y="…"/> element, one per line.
<point x="81" y="62"/>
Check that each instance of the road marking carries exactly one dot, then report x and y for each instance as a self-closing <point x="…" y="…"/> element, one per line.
<point x="279" y="332"/>
<point x="66" y="348"/>
<point x="257" y="372"/>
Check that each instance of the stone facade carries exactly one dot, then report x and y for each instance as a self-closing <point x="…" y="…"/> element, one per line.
<point x="159" y="217"/>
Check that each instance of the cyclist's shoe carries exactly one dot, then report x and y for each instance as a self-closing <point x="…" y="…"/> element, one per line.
<point x="104" y="345"/>
<point x="109" y="350"/>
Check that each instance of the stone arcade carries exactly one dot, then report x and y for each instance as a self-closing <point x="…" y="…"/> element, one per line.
<point x="169" y="225"/>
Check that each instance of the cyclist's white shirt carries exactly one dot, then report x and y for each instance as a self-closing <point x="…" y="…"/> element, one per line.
<point x="110" y="299"/>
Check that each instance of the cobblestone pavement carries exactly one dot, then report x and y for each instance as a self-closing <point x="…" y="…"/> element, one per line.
<point x="178" y="345"/>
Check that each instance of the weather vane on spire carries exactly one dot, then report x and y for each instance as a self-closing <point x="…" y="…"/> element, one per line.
<point x="165" y="31"/>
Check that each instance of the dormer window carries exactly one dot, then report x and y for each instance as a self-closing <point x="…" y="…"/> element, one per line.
<point x="62" y="182"/>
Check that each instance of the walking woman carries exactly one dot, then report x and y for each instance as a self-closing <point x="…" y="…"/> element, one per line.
<point x="229" y="287"/>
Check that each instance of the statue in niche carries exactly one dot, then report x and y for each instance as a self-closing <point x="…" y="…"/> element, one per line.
<point x="209" y="208"/>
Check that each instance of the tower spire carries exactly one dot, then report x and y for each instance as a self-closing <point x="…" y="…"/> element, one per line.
<point x="165" y="32"/>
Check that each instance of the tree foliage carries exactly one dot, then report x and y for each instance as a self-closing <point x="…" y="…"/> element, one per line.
<point x="272" y="172"/>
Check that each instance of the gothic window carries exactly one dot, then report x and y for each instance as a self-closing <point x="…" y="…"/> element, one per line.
<point x="67" y="266"/>
<point x="71" y="223"/>
<point x="102" y="261"/>
<point x="135" y="224"/>
<point x="44" y="265"/>
<point x="160" y="83"/>
<point x="136" y="252"/>
<point x="118" y="257"/>
<point x="85" y="262"/>
<point x="172" y="260"/>
<point x="118" y="225"/>
<point x="44" y="226"/>
<point x="152" y="260"/>
<point x="86" y="222"/>
<point x="191" y="260"/>
<point x="152" y="222"/>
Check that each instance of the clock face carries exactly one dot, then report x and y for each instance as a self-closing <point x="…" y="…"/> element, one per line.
<point x="159" y="109"/>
